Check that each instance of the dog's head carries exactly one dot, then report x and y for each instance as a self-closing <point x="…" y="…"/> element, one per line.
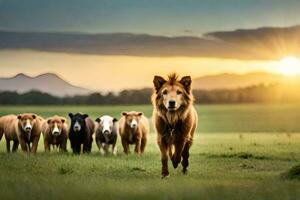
<point x="172" y="94"/>
<point x="132" y="118"/>
<point x="56" y="125"/>
<point x="78" y="121"/>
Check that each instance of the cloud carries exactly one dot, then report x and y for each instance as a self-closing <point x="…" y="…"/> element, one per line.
<point x="263" y="43"/>
<point x="252" y="44"/>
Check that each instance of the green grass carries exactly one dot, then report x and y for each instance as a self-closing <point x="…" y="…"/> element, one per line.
<point x="212" y="118"/>
<point x="240" y="162"/>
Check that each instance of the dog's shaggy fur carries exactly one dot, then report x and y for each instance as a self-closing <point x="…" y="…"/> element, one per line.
<point x="175" y="119"/>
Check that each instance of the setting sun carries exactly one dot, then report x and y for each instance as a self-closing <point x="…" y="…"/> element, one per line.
<point x="289" y="66"/>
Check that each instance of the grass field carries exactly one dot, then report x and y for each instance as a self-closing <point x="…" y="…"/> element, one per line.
<point x="240" y="152"/>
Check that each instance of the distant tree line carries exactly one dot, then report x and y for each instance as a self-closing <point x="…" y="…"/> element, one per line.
<point x="253" y="94"/>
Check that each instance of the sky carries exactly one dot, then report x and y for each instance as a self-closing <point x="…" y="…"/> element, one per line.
<point x="84" y="41"/>
<point x="159" y="17"/>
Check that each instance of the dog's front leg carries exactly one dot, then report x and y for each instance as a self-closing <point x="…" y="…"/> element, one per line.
<point x="179" y="145"/>
<point x="164" y="158"/>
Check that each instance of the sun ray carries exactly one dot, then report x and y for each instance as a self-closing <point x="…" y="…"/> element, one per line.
<point x="289" y="66"/>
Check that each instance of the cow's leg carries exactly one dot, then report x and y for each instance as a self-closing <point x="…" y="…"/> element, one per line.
<point x="90" y="144"/>
<point x="29" y="147"/>
<point x="15" y="146"/>
<point x="1" y="133"/>
<point x="46" y="146"/>
<point x="114" y="149"/>
<point x="86" y="147"/>
<point x="63" y="146"/>
<point x="143" y="144"/>
<point x="101" y="148"/>
<point x="7" y="146"/>
<point x="79" y="148"/>
<point x="35" y="143"/>
<point x="75" y="147"/>
<point x="106" y="147"/>
<point x="125" y="146"/>
<point x="98" y="142"/>
<point x="23" y="144"/>
<point x="137" y="148"/>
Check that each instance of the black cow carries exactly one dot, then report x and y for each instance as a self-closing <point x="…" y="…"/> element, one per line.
<point x="81" y="133"/>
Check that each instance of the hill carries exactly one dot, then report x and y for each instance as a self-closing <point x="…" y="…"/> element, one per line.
<point x="48" y="83"/>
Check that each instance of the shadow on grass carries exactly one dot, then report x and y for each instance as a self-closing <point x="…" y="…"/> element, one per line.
<point x="65" y="169"/>
<point x="241" y="155"/>
<point x="138" y="169"/>
<point x="292" y="173"/>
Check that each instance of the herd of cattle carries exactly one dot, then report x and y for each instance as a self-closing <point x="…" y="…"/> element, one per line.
<point x="174" y="116"/>
<point x="26" y="129"/>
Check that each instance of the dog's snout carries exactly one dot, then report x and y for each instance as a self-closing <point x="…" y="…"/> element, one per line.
<point x="28" y="129"/>
<point x="106" y="132"/>
<point x="172" y="103"/>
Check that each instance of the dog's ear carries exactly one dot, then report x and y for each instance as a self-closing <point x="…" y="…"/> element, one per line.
<point x="186" y="81"/>
<point x="85" y="116"/>
<point x="71" y="115"/>
<point x="124" y="114"/>
<point x="49" y="120"/>
<point x="158" y="82"/>
<point x="63" y="120"/>
<point x="34" y="116"/>
<point x="98" y="120"/>
<point x="115" y="120"/>
<point x="19" y="116"/>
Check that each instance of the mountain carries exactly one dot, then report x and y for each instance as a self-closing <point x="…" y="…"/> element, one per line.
<point x="48" y="83"/>
<point x="232" y="81"/>
<point x="55" y="85"/>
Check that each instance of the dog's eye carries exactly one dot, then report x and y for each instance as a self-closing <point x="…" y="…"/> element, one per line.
<point x="165" y="92"/>
<point x="178" y="92"/>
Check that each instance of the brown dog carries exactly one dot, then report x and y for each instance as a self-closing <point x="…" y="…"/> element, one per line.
<point x="55" y="132"/>
<point x="133" y="129"/>
<point x="175" y="120"/>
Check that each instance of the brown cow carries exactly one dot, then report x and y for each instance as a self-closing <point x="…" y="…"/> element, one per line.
<point x="24" y="129"/>
<point x="8" y="127"/>
<point x="133" y="129"/>
<point x="55" y="132"/>
<point x="175" y="120"/>
<point x="29" y="131"/>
